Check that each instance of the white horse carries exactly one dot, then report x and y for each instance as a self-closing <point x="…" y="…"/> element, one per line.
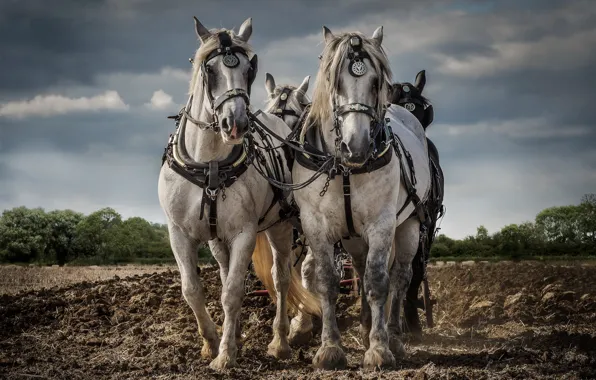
<point x="286" y="101"/>
<point x="210" y="191"/>
<point x="371" y="203"/>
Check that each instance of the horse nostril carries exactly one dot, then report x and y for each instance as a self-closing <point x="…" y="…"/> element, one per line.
<point x="349" y="154"/>
<point x="242" y="123"/>
<point x="345" y="150"/>
<point x="225" y="125"/>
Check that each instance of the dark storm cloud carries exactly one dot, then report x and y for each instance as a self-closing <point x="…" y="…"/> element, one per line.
<point x="45" y="43"/>
<point x="511" y="82"/>
<point x="78" y="133"/>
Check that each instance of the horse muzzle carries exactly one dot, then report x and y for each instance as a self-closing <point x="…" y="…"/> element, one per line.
<point x="355" y="158"/>
<point x="233" y="129"/>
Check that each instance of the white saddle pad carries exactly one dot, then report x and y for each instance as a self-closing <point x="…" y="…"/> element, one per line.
<point x="411" y="133"/>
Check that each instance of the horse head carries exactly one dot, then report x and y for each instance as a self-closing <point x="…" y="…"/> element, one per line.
<point x="286" y="101"/>
<point x="222" y="77"/>
<point x="352" y="91"/>
<point x="410" y="97"/>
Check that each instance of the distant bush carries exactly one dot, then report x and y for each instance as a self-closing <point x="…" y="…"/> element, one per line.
<point x="102" y="237"/>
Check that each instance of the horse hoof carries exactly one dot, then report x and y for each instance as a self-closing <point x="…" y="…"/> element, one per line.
<point x="279" y="350"/>
<point x="378" y="357"/>
<point x="223" y="361"/>
<point x="330" y="358"/>
<point x="397" y="347"/>
<point x="416" y="337"/>
<point x="300" y="338"/>
<point x="209" y="350"/>
<point x="300" y="331"/>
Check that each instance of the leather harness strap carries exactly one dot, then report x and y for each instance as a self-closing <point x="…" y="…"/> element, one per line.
<point x="348" y="204"/>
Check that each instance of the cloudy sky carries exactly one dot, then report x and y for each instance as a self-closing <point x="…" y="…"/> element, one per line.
<point x="85" y="86"/>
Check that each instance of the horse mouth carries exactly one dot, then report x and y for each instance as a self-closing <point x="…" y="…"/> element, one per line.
<point x="233" y="137"/>
<point x="352" y="163"/>
<point x="229" y="140"/>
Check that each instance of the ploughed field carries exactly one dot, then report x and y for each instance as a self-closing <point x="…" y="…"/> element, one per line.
<point x="502" y="320"/>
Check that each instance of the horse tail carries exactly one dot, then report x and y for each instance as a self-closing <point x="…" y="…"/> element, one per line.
<point x="299" y="298"/>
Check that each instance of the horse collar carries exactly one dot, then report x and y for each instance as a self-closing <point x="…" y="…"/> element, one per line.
<point x="213" y="177"/>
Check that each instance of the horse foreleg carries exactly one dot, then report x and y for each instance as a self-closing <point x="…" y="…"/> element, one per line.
<point x="185" y="252"/>
<point x="376" y="287"/>
<point x="301" y="325"/>
<point x="330" y="355"/>
<point x="220" y="252"/>
<point x="406" y="244"/>
<point x="359" y="263"/>
<point x="280" y="238"/>
<point x="232" y="294"/>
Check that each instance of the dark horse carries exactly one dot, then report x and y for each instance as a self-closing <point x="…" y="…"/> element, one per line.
<point x="410" y="97"/>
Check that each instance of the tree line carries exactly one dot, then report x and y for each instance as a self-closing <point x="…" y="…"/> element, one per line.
<point x="32" y="235"/>
<point x="557" y="231"/>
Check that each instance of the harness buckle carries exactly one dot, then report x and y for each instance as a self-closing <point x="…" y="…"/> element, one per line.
<point x="346" y="171"/>
<point x="212" y="193"/>
<point x="332" y="172"/>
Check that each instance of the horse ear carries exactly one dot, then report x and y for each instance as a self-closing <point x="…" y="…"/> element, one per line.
<point x="269" y="83"/>
<point x="304" y="85"/>
<point x="202" y="32"/>
<point x="245" y="30"/>
<point x="420" y="80"/>
<point x="378" y="35"/>
<point x="328" y="35"/>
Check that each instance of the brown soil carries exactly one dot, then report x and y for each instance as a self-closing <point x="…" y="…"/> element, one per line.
<point x="506" y="320"/>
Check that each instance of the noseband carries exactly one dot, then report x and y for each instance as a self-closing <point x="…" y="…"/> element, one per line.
<point x="231" y="60"/>
<point x="357" y="68"/>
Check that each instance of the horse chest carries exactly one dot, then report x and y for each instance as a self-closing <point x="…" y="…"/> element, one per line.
<point x="371" y="198"/>
<point x="237" y="207"/>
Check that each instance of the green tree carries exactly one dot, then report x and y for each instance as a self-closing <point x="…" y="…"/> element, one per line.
<point x="94" y="234"/>
<point x="23" y="234"/>
<point x="587" y="219"/>
<point x="510" y="240"/>
<point x="482" y="234"/>
<point x="560" y="224"/>
<point x="62" y="226"/>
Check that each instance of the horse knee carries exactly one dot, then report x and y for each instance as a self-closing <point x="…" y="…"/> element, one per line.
<point x="377" y="283"/>
<point x="191" y="290"/>
<point x="230" y="301"/>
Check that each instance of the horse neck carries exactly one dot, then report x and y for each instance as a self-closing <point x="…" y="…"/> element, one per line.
<point x="204" y="145"/>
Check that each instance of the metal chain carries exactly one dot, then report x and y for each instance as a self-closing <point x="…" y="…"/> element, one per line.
<point x="326" y="186"/>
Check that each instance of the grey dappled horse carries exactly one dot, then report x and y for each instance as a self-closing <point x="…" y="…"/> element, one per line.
<point x="367" y="201"/>
<point x="289" y="102"/>
<point x="210" y="191"/>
